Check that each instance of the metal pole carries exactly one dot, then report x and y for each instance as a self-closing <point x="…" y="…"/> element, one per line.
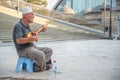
<point x="110" y="28"/>
<point x="104" y="16"/>
<point x="72" y="4"/>
<point x="18" y="6"/>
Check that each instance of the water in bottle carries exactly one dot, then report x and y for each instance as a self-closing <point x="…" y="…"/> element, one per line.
<point x="54" y="68"/>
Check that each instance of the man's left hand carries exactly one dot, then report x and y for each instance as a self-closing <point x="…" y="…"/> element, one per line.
<point x="44" y="27"/>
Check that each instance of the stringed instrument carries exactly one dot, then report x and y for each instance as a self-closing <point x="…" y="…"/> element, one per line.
<point x="38" y="31"/>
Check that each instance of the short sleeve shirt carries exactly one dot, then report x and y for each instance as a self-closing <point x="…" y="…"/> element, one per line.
<point x="21" y="31"/>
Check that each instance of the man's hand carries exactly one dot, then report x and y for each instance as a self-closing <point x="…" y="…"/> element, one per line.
<point x="35" y="38"/>
<point x="44" y="27"/>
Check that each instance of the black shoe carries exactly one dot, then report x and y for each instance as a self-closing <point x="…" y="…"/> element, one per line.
<point x="36" y="69"/>
<point x="48" y="66"/>
<point x="49" y="62"/>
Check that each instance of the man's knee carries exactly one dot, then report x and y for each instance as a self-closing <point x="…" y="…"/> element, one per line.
<point x="41" y="55"/>
<point x="50" y="51"/>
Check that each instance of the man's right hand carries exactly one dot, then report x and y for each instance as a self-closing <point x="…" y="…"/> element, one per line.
<point x="34" y="38"/>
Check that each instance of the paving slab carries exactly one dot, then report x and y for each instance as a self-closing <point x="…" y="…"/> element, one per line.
<point x="76" y="60"/>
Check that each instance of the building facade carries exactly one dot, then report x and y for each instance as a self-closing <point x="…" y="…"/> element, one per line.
<point x="80" y="6"/>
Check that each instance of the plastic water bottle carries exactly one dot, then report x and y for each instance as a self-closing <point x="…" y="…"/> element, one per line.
<point x="54" y="68"/>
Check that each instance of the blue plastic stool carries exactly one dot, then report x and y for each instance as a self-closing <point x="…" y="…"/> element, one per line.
<point x="27" y="64"/>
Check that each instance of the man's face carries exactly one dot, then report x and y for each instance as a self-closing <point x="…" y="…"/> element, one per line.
<point x="29" y="17"/>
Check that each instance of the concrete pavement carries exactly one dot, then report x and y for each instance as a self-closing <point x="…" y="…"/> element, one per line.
<point x="76" y="60"/>
<point x="77" y="57"/>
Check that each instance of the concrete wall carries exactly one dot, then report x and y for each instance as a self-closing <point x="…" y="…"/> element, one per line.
<point x="113" y="17"/>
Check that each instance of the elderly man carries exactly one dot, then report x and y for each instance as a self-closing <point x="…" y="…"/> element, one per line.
<point x="24" y="43"/>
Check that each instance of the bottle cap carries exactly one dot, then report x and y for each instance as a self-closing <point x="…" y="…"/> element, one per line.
<point x="54" y="61"/>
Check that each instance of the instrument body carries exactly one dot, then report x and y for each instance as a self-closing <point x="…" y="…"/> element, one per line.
<point x="38" y="31"/>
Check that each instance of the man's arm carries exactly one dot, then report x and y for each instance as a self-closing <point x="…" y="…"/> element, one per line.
<point x="26" y="40"/>
<point x="41" y="29"/>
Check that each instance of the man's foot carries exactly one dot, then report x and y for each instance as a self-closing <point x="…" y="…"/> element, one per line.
<point x="48" y="66"/>
<point x="36" y="68"/>
<point x="49" y="62"/>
